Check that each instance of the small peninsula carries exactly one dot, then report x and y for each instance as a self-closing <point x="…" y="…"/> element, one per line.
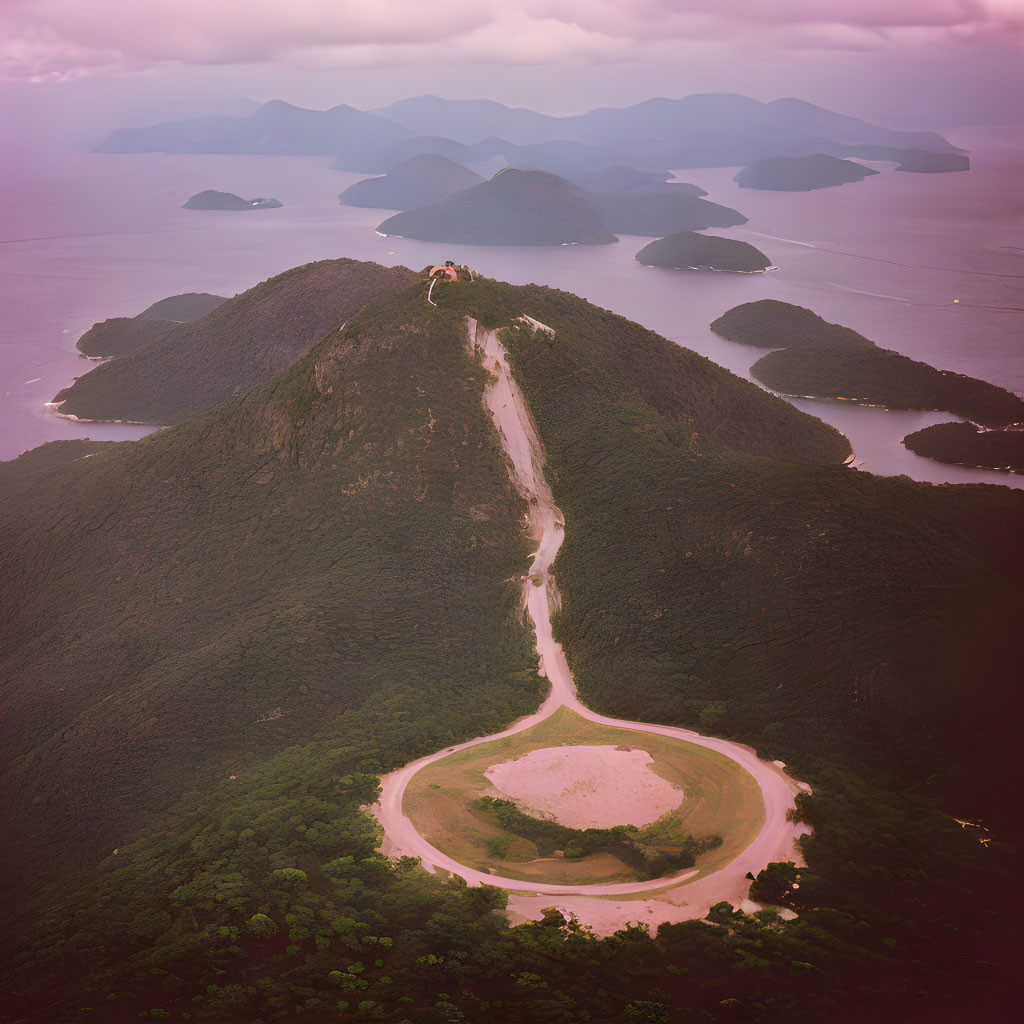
<point x="424" y="178"/>
<point x="964" y="444"/>
<point x="183" y="308"/>
<point x="516" y="207"/>
<point x="214" y="200"/>
<point x="801" y="173"/>
<point x="120" y="335"/>
<point x="48" y="456"/>
<point x="687" y="250"/>
<point x="769" y="323"/>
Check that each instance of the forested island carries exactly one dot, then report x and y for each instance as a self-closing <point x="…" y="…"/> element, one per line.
<point x="520" y="206"/>
<point x="687" y="250"/>
<point x="818" y="359"/>
<point x="645" y="212"/>
<point x="877" y="376"/>
<point x="964" y="444"/>
<point x="801" y="173"/>
<point x="630" y="179"/>
<point x="516" y="207"/>
<point x="211" y="199"/>
<point x="306" y="586"/>
<point x="922" y="161"/>
<point x="769" y="323"/>
<point x="425" y="178"/>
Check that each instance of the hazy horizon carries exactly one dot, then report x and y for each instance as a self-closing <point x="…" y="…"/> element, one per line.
<point x="68" y="77"/>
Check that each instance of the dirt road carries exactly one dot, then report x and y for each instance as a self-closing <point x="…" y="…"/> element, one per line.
<point x="677" y="899"/>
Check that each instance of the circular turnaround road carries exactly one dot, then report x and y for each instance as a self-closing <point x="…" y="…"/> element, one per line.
<point x="678" y="899"/>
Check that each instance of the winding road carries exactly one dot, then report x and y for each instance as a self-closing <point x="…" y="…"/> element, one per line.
<point x="677" y="898"/>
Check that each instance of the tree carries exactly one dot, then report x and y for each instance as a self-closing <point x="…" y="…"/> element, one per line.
<point x="262" y="926"/>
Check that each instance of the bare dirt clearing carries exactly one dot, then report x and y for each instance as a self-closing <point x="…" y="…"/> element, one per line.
<point x="586" y="786"/>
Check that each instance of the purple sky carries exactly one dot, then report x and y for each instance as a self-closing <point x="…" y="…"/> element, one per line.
<point x="904" y="62"/>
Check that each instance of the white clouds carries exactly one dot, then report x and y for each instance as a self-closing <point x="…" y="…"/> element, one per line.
<point x="61" y="38"/>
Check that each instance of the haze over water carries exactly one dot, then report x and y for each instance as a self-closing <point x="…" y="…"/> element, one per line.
<point x="886" y="256"/>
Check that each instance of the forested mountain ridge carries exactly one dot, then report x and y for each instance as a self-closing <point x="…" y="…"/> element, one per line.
<point x="232" y="348"/>
<point x="203" y="598"/>
<point x="314" y="583"/>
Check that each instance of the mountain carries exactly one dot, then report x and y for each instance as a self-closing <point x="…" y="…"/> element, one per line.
<point x="214" y="200"/>
<point x="702" y="119"/>
<point x="276" y="128"/>
<point x="801" y="173"/>
<point x="382" y="159"/>
<point x="769" y="323"/>
<point x="516" y="207"/>
<point x="655" y="213"/>
<point x="687" y="250"/>
<point x="217" y="638"/>
<point x="231" y="349"/>
<point x="695" y="131"/>
<point x="422" y="179"/>
<point x="469" y="121"/>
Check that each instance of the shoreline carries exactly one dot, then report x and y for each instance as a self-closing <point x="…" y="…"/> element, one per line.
<point x="53" y="407"/>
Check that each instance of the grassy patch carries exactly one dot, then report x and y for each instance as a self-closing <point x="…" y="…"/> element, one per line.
<point x="720" y="799"/>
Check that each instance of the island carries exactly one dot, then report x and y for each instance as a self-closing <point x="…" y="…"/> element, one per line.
<point x="658" y="211"/>
<point x="920" y="161"/>
<point x="769" y="323"/>
<point x="871" y="375"/>
<point x="214" y="200"/>
<point x="964" y="444"/>
<point x="687" y="250"/>
<point x="801" y="173"/>
<point x="620" y="178"/>
<point x="516" y="207"/>
<point x="422" y="179"/>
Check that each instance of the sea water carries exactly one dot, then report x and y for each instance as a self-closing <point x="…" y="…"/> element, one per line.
<point x="931" y="266"/>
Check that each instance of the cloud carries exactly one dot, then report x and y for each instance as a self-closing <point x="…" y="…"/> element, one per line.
<point x="64" y="38"/>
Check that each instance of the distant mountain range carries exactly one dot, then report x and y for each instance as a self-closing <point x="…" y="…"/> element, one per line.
<point x="706" y="130"/>
<point x="276" y="128"/>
